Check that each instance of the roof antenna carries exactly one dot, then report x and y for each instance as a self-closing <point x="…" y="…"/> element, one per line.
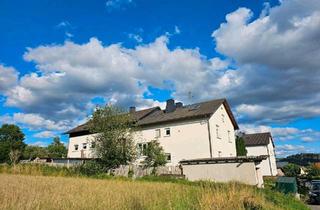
<point x="190" y="96"/>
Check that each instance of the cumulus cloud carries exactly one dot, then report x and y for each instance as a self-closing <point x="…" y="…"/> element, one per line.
<point x="283" y="133"/>
<point x="44" y="134"/>
<point x="289" y="149"/>
<point x="8" y="78"/>
<point x="277" y="58"/>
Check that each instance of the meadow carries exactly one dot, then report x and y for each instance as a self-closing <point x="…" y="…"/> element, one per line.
<point x="27" y="189"/>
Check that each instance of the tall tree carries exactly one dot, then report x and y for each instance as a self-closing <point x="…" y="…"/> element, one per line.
<point x="31" y="152"/>
<point x="57" y="149"/>
<point x="11" y="141"/>
<point x="114" y="140"/>
<point x="240" y="146"/>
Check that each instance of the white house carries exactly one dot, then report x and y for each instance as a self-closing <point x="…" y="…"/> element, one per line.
<point x="201" y="130"/>
<point x="262" y="144"/>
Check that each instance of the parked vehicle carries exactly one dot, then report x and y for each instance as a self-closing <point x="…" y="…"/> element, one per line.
<point x="314" y="194"/>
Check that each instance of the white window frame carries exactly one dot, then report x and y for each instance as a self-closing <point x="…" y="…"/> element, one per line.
<point x="222" y="118"/>
<point x="229" y="137"/>
<point x="158" y="133"/>
<point x="218" y="132"/>
<point x="219" y="154"/>
<point x="76" y="147"/>
<point x="165" y="132"/>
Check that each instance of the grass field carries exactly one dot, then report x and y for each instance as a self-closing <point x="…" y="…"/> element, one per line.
<point x="54" y="192"/>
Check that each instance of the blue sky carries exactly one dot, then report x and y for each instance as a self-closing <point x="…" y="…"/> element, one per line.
<point x="58" y="59"/>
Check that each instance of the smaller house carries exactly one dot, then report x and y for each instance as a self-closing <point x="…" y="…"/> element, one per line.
<point x="262" y="144"/>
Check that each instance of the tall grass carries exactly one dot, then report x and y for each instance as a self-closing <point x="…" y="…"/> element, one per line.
<point x="78" y="192"/>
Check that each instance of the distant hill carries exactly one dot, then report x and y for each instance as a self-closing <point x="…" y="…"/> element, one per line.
<point x="302" y="159"/>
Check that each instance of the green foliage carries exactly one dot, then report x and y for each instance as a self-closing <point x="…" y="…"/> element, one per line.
<point x="155" y="156"/>
<point x="240" y="146"/>
<point x="114" y="140"/>
<point x="11" y="141"/>
<point x="314" y="171"/>
<point x="57" y="149"/>
<point x="291" y="170"/>
<point x="91" y="168"/>
<point x="31" y="152"/>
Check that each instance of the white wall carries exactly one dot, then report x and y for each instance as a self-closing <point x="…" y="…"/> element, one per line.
<point x="224" y="172"/>
<point x="268" y="166"/>
<point x="222" y="143"/>
<point x="79" y="140"/>
<point x="187" y="140"/>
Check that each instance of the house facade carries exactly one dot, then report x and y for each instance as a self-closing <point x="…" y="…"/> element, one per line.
<point x="202" y="130"/>
<point x="262" y="144"/>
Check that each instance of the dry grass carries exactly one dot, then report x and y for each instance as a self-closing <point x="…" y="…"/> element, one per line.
<point x="45" y="192"/>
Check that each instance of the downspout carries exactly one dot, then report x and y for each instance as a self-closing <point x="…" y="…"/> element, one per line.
<point x="269" y="160"/>
<point x="209" y="135"/>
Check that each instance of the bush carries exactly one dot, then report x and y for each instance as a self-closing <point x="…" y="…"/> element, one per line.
<point x="91" y="168"/>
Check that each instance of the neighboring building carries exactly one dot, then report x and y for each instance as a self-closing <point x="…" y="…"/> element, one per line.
<point x="202" y="130"/>
<point x="262" y="144"/>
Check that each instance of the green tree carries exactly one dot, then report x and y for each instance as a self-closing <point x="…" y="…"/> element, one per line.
<point x="155" y="156"/>
<point x="31" y="152"/>
<point x="11" y="141"/>
<point x="57" y="149"/>
<point x="292" y="170"/>
<point x="314" y="171"/>
<point x="113" y="139"/>
<point x="240" y="146"/>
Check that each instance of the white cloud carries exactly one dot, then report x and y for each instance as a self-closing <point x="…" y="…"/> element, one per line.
<point x="117" y="4"/>
<point x="177" y="30"/>
<point x="8" y="78"/>
<point x="39" y="144"/>
<point x="36" y="122"/>
<point x="277" y="58"/>
<point x="44" y="134"/>
<point x="135" y="37"/>
<point x="283" y="133"/>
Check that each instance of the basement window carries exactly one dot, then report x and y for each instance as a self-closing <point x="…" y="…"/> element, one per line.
<point x="76" y="147"/>
<point x="84" y="145"/>
<point x="167" y="131"/>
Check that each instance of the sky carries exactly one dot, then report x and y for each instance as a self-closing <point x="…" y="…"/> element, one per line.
<point x="60" y="59"/>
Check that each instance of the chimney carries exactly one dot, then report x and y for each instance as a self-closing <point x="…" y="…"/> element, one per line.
<point x="132" y="109"/>
<point x="170" y="107"/>
<point x="179" y="104"/>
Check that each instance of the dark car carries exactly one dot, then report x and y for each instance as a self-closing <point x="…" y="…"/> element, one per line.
<point x="314" y="194"/>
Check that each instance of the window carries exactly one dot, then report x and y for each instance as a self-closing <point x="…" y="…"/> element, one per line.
<point x="76" y="147"/>
<point x="93" y="144"/>
<point x="222" y="118"/>
<point x="84" y="145"/>
<point x="142" y="148"/>
<point x="167" y="131"/>
<point x="219" y="153"/>
<point x="229" y="137"/>
<point x="168" y="156"/>
<point x="157" y="133"/>
<point x="217" y="132"/>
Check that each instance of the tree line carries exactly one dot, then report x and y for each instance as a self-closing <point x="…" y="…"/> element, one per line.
<point x="13" y="148"/>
